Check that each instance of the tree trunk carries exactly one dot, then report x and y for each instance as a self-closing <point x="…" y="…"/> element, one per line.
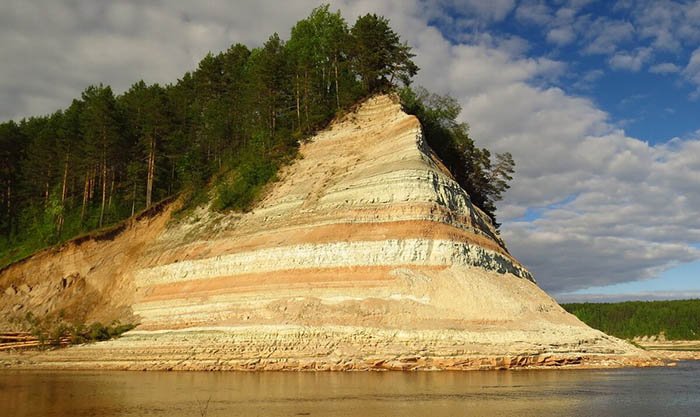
<point x="151" y="170"/>
<point x="172" y="177"/>
<point x="306" y="94"/>
<point x="46" y="189"/>
<point x="86" y="191"/>
<point x="93" y="174"/>
<point x="9" y="208"/>
<point x="104" y="186"/>
<point x="111" y="189"/>
<point x="273" y="118"/>
<point x="298" y="109"/>
<point x="71" y="199"/>
<point x="64" y="190"/>
<point x="337" y="91"/>
<point x="133" y="201"/>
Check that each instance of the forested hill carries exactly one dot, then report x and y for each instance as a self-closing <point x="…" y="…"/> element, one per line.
<point x="221" y="131"/>
<point x="677" y="319"/>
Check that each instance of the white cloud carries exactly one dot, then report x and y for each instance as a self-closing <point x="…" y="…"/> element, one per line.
<point x="561" y="35"/>
<point x="586" y="81"/>
<point x="604" y="35"/>
<point x="667" y="24"/>
<point x="658" y="20"/>
<point x="692" y="70"/>
<point x="453" y="16"/>
<point x="534" y="12"/>
<point x="664" y="68"/>
<point x="630" y="61"/>
<point x="491" y="10"/>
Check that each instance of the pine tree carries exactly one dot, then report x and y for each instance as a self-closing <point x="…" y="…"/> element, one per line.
<point x="100" y="128"/>
<point x="12" y="151"/>
<point x="270" y="83"/>
<point x="379" y="56"/>
<point x="148" y="114"/>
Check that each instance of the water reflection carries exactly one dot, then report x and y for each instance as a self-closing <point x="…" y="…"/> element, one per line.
<point x="633" y="392"/>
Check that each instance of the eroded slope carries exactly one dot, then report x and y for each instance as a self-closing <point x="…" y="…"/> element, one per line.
<point x="366" y="254"/>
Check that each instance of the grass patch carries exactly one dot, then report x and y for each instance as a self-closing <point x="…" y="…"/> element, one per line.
<point x="55" y="331"/>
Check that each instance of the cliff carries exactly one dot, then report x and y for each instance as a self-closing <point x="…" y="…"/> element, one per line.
<point x="364" y="255"/>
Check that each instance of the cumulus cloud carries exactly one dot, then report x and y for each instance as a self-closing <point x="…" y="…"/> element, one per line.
<point x="667" y="23"/>
<point x="650" y="27"/>
<point x="609" y="208"/>
<point x="692" y="70"/>
<point x="586" y="81"/>
<point x="534" y="12"/>
<point x="604" y="35"/>
<point x="664" y="68"/>
<point x="631" y="61"/>
<point x="561" y="35"/>
<point x="491" y="10"/>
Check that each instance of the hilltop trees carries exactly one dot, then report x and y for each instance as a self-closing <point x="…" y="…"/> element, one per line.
<point x="147" y="113"/>
<point x="318" y="55"/>
<point x="11" y="153"/>
<point x="378" y="55"/>
<point x="220" y="131"/>
<point x="473" y="169"/>
<point x="101" y="135"/>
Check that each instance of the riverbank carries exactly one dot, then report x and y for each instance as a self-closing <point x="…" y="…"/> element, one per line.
<point x="675" y="350"/>
<point x="335" y="349"/>
<point x="38" y="361"/>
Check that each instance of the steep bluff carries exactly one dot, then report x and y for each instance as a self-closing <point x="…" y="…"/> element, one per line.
<point x="366" y="254"/>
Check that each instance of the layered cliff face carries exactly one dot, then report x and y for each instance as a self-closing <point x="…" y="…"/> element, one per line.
<point x="364" y="255"/>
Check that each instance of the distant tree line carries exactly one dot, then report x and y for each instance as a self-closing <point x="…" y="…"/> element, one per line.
<point x="221" y="130"/>
<point x="677" y="319"/>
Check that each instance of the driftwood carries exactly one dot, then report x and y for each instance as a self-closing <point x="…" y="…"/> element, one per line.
<point x="21" y="340"/>
<point x="8" y="346"/>
<point x="6" y="337"/>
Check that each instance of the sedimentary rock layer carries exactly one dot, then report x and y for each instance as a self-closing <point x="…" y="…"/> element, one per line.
<point x="367" y="199"/>
<point x="365" y="254"/>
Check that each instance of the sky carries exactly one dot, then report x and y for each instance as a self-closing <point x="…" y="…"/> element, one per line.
<point x="598" y="101"/>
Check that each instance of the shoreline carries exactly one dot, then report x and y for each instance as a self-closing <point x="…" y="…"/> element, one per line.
<point x="37" y="360"/>
<point x="342" y="348"/>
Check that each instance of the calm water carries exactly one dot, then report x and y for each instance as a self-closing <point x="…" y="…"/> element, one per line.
<point x="625" y="392"/>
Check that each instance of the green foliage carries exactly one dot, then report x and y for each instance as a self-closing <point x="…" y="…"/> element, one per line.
<point x="484" y="180"/>
<point x="379" y="57"/>
<point x="248" y="178"/>
<point x="51" y="330"/>
<point x="677" y="319"/>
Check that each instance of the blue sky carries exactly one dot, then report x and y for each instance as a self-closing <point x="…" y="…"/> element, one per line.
<point x="652" y="102"/>
<point x="599" y="103"/>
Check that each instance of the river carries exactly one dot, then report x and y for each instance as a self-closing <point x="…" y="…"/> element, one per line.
<point x="617" y="392"/>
